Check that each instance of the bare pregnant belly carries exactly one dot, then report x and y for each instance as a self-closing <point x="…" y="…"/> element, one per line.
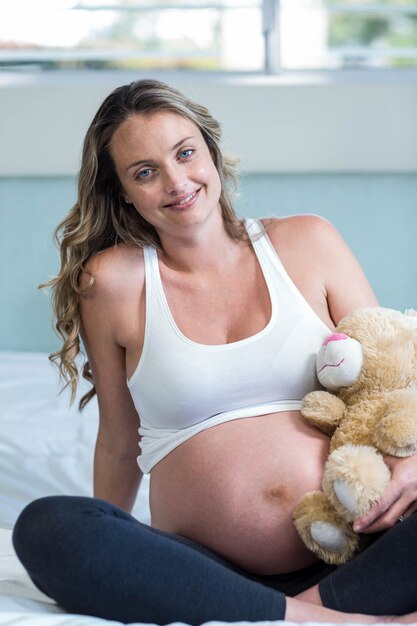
<point x="233" y="488"/>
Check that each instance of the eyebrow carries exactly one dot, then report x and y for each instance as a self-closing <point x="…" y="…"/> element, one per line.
<point x="143" y="161"/>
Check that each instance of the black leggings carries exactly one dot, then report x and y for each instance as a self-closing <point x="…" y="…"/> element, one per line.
<point x="95" y="559"/>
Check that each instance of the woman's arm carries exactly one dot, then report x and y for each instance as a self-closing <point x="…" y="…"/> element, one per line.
<point x="116" y="472"/>
<point x="347" y="287"/>
<point x="311" y="247"/>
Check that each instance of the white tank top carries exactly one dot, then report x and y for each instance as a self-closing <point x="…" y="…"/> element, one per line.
<point x="181" y="387"/>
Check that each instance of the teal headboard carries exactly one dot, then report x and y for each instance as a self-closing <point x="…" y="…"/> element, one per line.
<point x="376" y="214"/>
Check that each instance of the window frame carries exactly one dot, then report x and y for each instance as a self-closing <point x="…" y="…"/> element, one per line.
<point x="271" y="18"/>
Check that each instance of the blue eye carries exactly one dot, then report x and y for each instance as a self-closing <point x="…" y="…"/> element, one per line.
<point x="145" y="173"/>
<point x="186" y="153"/>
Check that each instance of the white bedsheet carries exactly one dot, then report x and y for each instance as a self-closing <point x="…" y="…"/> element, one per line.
<point x="46" y="448"/>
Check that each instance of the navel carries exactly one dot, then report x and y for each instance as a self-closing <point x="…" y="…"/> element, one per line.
<point x="278" y="494"/>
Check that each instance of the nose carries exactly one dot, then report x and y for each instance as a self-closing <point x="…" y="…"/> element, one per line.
<point x="174" y="179"/>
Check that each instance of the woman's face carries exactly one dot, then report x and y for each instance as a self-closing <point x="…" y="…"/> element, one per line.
<point x="166" y="170"/>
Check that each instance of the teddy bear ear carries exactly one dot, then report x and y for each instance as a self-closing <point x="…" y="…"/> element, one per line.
<point x="411" y="316"/>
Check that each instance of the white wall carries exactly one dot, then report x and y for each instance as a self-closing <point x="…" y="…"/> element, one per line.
<point x="363" y="122"/>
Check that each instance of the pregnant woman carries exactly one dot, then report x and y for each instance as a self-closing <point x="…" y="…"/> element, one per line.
<point x="201" y="331"/>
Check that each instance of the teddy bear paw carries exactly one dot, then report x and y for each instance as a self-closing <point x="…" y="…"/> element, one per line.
<point x="323" y="530"/>
<point x="328" y="536"/>
<point x="346" y="495"/>
<point x="354" y="478"/>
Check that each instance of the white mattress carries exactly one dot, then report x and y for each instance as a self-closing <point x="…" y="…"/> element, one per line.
<point x="46" y="448"/>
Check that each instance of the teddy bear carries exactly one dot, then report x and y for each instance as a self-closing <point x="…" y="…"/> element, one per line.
<point x="369" y="366"/>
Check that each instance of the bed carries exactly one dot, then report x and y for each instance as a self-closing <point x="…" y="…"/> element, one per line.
<point x="45" y="448"/>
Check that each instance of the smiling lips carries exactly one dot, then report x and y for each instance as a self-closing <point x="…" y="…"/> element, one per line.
<point x="186" y="201"/>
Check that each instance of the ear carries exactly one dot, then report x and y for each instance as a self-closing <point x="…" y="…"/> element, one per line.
<point x="126" y="199"/>
<point x="411" y="316"/>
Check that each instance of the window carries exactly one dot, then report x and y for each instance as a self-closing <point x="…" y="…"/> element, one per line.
<point x="332" y="34"/>
<point x="270" y="36"/>
<point x="219" y="35"/>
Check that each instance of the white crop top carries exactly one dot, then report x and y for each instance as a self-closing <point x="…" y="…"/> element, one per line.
<point x="181" y="387"/>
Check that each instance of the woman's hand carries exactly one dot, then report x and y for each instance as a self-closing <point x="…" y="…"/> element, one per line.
<point x="399" y="499"/>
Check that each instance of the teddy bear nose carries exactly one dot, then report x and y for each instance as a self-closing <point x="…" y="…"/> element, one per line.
<point x="335" y="337"/>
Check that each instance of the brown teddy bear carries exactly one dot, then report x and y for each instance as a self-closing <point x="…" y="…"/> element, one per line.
<point x="369" y="364"/>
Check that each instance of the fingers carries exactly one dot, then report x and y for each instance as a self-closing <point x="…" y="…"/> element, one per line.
<point x="385" y="512"/>
<point x="398" y="501"/>
<point x="410" y="511"/>
<point x="381" y="518"/>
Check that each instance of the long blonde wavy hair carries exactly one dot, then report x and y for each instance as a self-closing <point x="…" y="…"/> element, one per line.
<point x="102" y="218"/>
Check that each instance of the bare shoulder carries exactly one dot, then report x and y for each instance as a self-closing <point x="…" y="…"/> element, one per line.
<point x="113" y="272"/>
<point x="301" y="229"/>
<point x="318" y="258"/>
<point x="114" y="301"/>
<point x="303" y="240"/>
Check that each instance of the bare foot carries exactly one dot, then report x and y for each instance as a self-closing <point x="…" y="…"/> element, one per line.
<point x="300" y="611"/>
<point x="409" y="618"/>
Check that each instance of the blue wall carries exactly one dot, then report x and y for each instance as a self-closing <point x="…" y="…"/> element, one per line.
<point x="376" y="214"/>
